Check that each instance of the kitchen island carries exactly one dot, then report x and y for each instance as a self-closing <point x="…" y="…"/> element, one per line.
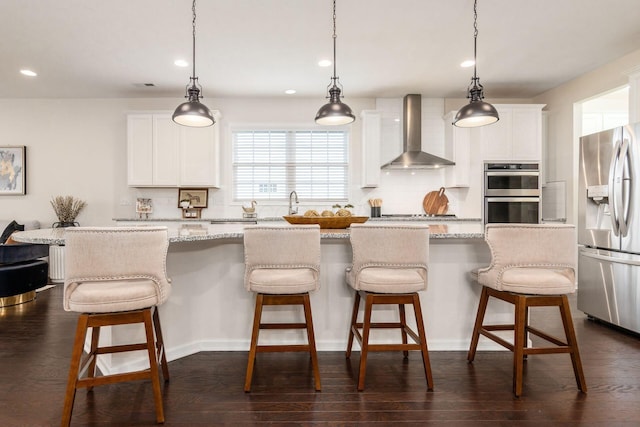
<point x="210" y="310"/>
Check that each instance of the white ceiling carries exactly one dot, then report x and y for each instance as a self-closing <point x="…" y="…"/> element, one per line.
<point x="255" y="48"/>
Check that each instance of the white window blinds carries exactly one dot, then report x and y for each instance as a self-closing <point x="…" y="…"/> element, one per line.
<point x="269" y="164"/>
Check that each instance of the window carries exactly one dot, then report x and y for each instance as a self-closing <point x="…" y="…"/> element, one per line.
<point x="269" y="164"/>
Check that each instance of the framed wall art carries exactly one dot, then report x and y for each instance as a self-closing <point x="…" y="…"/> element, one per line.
<point x="197" y="197"/>
<point x="13" y="170"/>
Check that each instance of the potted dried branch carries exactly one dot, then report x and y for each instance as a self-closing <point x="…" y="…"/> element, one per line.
<point x="67" y="209"/>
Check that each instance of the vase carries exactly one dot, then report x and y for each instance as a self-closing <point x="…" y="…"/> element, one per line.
<point x="65" y="224"/>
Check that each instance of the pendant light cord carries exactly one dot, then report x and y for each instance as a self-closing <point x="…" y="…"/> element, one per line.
<point x="193" y="24"/>
<point x="475" y="37"/>
<point x="334" y="41"/>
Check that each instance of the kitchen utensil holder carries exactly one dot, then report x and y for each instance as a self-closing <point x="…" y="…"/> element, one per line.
<point x="375" y="211"/>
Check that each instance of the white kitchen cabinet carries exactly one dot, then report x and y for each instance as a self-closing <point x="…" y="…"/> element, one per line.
<point x="139" y="146"/>
<point x="391" y="140"/>
<point x="152" y="150"/>
<point x="200" y="155"/>
<point x="161" y="153"/>
<point x="517" y="136"/>
<point x="371" y="140"/>
<point x="457" y="147"/>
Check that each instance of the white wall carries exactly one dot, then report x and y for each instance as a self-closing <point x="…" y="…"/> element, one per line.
<point x="562" y="143"/>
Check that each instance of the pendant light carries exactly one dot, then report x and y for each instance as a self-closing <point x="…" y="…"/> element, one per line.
<point x="476" y="112"/>
<point x="335" y="112"/>
<point x="193" y="113"/>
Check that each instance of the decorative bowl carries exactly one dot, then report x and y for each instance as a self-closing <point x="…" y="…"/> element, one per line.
<point x="326" y="221"/>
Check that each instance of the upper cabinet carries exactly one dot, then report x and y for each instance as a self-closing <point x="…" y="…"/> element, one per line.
<point x="371" y="140"/>
<point x="457" y="148"/>
<point x="516" y="136"/>
<point x="161" y="153"/>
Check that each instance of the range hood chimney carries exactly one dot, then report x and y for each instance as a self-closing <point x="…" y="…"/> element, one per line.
<point x="412" y="156"/>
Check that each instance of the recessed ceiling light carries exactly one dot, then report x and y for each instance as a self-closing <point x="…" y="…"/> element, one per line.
<point x="468" y="63"/>
<point x="181" y="63"/>
<point x="396" y="120"/>
<point x="28" y="73"/>
<point x="324" y="63"/>
<point x="290" y="91"/>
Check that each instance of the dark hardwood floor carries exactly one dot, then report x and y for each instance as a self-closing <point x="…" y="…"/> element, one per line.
<point x="207" y="388"/>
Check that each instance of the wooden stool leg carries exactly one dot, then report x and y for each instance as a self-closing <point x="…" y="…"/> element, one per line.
<point x="366" y="328"/>
<point x="254" y="342"/>
<point x="160" y="345"/>
<point x="423" y="341"/>
<point x="482" y="308"/>
<point x="76" y="356"/>
<point x="95" y="339"/>
<point x="354" y="318"/>
<point x="519" y="343"/>
<point x="153" y="364"/>
<point x="572" y="341"/>
<point x="312" y="341"/>
<point x="403" y="327"/>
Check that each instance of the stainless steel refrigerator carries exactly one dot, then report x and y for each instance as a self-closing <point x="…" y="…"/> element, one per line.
<point x="609" y="226"/>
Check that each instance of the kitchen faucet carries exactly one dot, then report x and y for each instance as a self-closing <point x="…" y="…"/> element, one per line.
<point x="292" y="210"/>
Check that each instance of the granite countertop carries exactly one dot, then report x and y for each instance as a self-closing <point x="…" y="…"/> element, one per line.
<point x="196" y="232"/>
<point x="279" y="218"/>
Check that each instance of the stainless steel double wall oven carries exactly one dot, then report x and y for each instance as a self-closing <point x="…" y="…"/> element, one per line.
<point x="512" y="193"/>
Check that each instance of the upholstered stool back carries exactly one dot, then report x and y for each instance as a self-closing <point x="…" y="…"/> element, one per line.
<point x="112" y="269"/>
<point x="282" y="260"/>
<point x="389" y="258"/>
<point x="531" y="259"/>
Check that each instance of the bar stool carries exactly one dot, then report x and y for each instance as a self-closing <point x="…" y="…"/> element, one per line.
<point x="390" y="265"/>
<point x="282" y="265"/>
<point x="115" y="276"/>
<point x="532" y="265"/>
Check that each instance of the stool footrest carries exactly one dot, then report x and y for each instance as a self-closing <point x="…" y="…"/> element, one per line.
<point x="283" y="326"/>
<point x="278" y="348"/>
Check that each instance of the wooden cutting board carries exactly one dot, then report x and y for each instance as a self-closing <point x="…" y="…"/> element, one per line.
<point x="435" y="202"/>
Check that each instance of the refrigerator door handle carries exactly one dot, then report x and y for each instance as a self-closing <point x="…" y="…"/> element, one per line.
<point x="624" y="202"/>
<point x="613" y="190"/>
<point x="609" y="259"/>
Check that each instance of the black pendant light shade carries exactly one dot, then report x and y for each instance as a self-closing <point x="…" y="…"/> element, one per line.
<point x="476" y="112"/>
<point x="335" y="112"/>
<point x="193" y="113"/>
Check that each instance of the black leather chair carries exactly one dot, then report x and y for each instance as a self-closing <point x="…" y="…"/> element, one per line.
<point x="22" y="271"/>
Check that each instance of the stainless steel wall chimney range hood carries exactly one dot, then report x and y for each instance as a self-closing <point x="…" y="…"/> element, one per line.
<point x="413" y="157"/>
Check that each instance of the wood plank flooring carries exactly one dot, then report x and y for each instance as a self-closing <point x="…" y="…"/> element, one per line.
<point x="206" y="389"/>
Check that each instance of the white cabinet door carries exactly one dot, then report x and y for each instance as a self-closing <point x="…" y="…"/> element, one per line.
<point x="166" y="139"/>
<point x="527" y="134"/>
<point x="199" y="156"/>
<point x="371" y="139"/>
<point x="517" y="136"/>
<point x="496" y="138"/>
<point x="457" y="147"/>
<point x="391" y="138"/>
<point x="139" y="149"/>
